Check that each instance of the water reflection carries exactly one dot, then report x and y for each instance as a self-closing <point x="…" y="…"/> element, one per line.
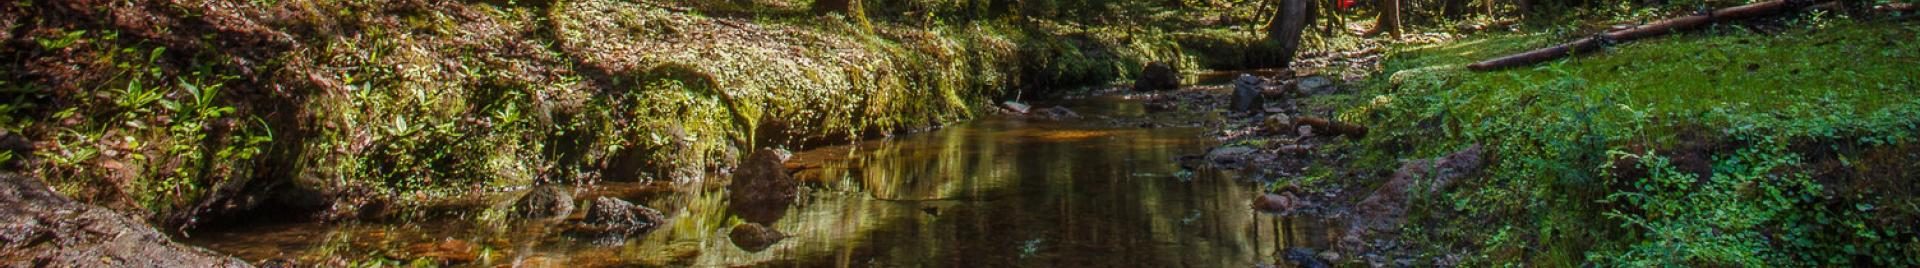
<point x="1094" y="192"/>
<point x="1009" y="192"/>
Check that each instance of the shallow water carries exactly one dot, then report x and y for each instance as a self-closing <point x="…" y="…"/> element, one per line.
<point x="1095" y="191"/>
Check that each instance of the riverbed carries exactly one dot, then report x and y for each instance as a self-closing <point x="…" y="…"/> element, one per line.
<point x="1106" y="189"/>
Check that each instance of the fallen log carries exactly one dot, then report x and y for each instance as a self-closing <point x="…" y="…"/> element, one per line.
<point x="1590" y="44"/>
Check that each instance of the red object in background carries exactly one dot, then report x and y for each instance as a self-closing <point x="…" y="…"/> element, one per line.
<point x="1344" y="4"/>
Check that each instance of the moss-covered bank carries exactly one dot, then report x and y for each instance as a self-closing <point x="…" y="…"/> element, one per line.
<point x="193" y="112"/>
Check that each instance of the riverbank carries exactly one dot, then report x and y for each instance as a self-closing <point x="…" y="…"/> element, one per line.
<point x="1769" y="143"/>
<point x="213" y="114"/>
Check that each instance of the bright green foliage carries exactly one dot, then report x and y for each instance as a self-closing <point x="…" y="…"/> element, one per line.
<point x="1566" y="135"/>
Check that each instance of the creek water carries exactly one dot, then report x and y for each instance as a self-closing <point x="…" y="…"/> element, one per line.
<point x="1097" y="191"/>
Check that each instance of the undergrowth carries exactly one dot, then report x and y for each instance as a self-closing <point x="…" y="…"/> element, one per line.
<point x="1710" y="149"/>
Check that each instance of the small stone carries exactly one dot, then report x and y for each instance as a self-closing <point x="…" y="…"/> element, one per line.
<point x="1314" y="85"/>
<point x="1277" y="123"/>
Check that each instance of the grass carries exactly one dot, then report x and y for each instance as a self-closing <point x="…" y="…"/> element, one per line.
<point x="1742" y="107"/>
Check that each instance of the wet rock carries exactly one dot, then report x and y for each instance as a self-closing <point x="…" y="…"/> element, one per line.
<point x="761" y="190"/>
<point x="445" y="252"/>
<point x="1277" y="123"/>
<point x="1279" y="203"/>
<point x="1385" y="209"/>
<point x="40" y="228"/>
<point x="1246" y="94"/>
<point x="1314" y="85"/>
<point x="1230" y="156"/>
<point x="614" y="217"/>
<point x="1305" y="258"/>
<point x="1016" y="107"/>
<point x="1158" y="76"/>
<point x="754" y="237"/>
<point x="544" y="202"/>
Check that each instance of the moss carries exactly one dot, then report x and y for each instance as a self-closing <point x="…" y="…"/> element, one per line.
<point x="1558" y="130"/>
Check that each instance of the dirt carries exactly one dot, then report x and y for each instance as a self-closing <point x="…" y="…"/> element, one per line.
<point x="1386" y="208"/>
<point x="40" y="228"/>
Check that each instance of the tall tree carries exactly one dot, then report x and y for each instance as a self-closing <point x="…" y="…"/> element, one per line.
<point x="1287" y="24"/>
<point x="1389" y="20"/>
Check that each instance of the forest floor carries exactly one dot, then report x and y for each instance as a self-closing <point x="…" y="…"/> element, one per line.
<point x="1786" y="140"/>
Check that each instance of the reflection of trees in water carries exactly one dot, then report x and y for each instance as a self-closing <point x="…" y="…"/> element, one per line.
<point x="982" y="193"/>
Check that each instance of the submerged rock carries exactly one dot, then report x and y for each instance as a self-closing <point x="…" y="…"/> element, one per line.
<point x="40" y="228"/>
<point x="1058" y="113"/>
<point x="1158" y="76"/>
<point x="754" y="237"/>
<point x="444" y="252"/>
<point x="614" y="217"/>
<point x="1246" y="94"/>
<point x="761" y="190"/>
<point x="544" y="202"/>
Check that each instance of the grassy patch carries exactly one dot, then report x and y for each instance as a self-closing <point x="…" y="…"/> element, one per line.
<point x="1716" y="116"/>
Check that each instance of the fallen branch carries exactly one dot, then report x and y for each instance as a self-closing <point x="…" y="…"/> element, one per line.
<point x="1590" y="44"/>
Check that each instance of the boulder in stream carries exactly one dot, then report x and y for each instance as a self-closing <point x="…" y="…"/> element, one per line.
<point x="1246" y="94"/>
<point x="544" y="202"/>
<point x="40" y="228"/>
<point x="754" y="237"/>
<point x="1158" y="76"/>
<point x="761" y="190"/>
<point x="614" y="217"/>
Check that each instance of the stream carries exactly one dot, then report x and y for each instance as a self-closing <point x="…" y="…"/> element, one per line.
<point x="1098" y="191"/>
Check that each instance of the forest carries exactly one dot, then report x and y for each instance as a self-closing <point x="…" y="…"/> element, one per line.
<point x="959" y="133"/>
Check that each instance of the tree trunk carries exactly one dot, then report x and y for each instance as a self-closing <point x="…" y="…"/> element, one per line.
<point x="1389" y="20"/>
<point x="1288" y="23"/>
<point x="850" y="8"/>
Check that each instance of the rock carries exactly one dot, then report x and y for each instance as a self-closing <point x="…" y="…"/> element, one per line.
<point x="761" y="190"/>
<point x="1305" y="258"/>
<point x="1230" y="156"/>
<point x="1246" y="94"/>
<point x="544" y="202"/>
<point x="445" y="252"/>
<point x="614" y="217"/>
<point x="40" y="228"/>
<point x="754" y="237"/>
<point x="1281" y="203"/>
<point x="1016" y="107"/>
<point x="1058" y="113"/>
<point x="1158" y="76"/>
<point x="1330" y="256"/>
<point x="1277" y="123"/>
<point x="1314" y="85"/>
